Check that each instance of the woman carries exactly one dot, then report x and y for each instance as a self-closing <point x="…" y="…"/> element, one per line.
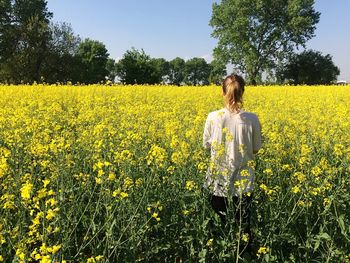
<point x="233" y="137"/>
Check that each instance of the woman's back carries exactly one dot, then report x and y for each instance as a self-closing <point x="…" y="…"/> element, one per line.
<point x="233" y="139"/>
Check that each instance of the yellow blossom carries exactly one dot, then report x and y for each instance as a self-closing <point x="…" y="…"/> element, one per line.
<point x="99" y="257"/>
<point x="296" y="189"/>
<point x="51" y="202"/>
<point x="186" y="212"/>
<point x="326" y="201"/>
<point x="190" y="185"/>
<point x="262" y="250"/>
<point x="245" y="237"/>
<point x="100" y="173"/>
<point x="98" y="180"/>
<point x="300" y="176"/>
<point x="301" y="203"/>
<point x="54" y="249"/>
<point x="111" y="177"/>
<point x="45" y="259"/>
<point x="316" y="171"/>
<point x="42" y="193"/>
<point x="245" y="172"/>
<point x="124" y="195"/>
<point x="50" y="214"/>
<point x="26" y="190"/>
<point x="128" y="182"/>
<point x="268" y="172"/>
<point x="155" y="216"/>
<point x="46" y="182"/>
<point x="210" y="242"/>
<point x="116" y="192"/>
<point x="138" y="182"/>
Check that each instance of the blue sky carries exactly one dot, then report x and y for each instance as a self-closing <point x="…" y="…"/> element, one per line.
<point x="179" y="28"/>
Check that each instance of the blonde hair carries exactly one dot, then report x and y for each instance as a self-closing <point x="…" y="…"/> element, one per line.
<point x="233" y="89"/>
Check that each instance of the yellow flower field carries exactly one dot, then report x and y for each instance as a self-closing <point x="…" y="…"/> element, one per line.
<point x="115" y="173"/>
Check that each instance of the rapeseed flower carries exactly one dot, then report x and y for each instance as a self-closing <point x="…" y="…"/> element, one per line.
<point x="190" y="185"/>
<point x="26" y="190"/>
<point x="262" y="251"/>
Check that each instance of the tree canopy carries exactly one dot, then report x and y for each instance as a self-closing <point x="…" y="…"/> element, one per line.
<point x="24" y="39"/>
<point x="197" y="71"/>
<point x="136" y="67"/>
<point x="309" y="67"/>
<point x="254" y="35"/>
<point x="217" y="72"/>
<point x="177" y="71"/>
<point x="61" y="64"/>
<point x="93" y="56"/>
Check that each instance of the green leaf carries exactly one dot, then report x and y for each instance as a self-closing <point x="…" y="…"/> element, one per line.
<point x="341" y="224"/>
<point x="324" y="236"/>
<point x="202" y="255"/>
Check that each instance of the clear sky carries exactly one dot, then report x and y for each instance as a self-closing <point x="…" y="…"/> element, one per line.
<point x="179" y="28"/>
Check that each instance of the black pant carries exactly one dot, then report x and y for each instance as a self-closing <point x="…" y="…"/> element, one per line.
<point x="241" y="210"/>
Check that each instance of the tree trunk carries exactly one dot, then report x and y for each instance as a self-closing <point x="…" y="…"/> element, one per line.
<point x="254" y="75"/>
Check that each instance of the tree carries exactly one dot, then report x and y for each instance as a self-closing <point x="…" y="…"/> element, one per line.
<point x="176" y="71"/>
<point x="217" y="72"/>
<point x="93" y="56"/>
<point x="6" y="42"/>
<point x="136" y="67"/>
<point x="309" y="67"/>
<point x="60" y="64"/>
<point x="197" y="71"/>
<point x="111" y="68"/>
<point x="252" y="35"/>
<point x="63" y="39"/>
<point x="163" y="67"/>
<point x="24" y="39"/>
<point x="5" y="26"/>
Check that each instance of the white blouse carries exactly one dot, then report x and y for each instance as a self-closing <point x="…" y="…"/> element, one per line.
<point x="233" y="139"/>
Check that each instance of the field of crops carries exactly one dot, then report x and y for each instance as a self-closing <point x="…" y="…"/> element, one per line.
<point x="115" y="174"/>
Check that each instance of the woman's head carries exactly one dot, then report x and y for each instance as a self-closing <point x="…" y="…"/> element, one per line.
<point x="232" y="90"/>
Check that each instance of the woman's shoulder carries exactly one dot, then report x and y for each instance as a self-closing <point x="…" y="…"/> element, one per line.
<point x="216" y="114"/>
<point x="249" y="115"/>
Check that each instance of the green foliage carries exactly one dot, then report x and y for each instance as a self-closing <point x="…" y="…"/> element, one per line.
<point x="33" y="50"/>
<point x="176" y="72"/>
<point x="163" y="67"/>
<point x="24" y="39"/>
<point x="5" y="28"/>
<point x="136" y="67"/>
<point x="63" y="39"/>
<point x="60" y="64"/>
<point x="93" y="56"/>
<point x="111" y="69"/>
<point x="309" y="67"/>
<point x="253" y="35"/>
<point x="217" y="73"/>
<point x="197" y="71"/>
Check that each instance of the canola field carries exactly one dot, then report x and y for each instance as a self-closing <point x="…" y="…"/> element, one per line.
<point x="115" y="173"/>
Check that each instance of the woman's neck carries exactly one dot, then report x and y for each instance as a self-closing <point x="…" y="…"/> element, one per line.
<point x="235" y="111"/>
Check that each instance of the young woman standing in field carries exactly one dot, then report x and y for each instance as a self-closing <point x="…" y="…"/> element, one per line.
<point x="233" y="137"/>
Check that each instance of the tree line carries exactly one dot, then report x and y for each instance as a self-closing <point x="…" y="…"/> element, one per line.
<point x="34" y="49"/>
<point x="136" y="67"/>
<point x="256" y="37"/>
